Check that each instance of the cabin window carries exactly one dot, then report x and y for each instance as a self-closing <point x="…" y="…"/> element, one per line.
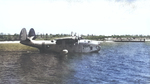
<point x="47" y="46"/>
<point x="91" y="48"/>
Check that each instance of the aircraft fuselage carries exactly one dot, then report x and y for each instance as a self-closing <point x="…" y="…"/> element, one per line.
<point x="82" y="46"/>
<point x="72" y="44"/>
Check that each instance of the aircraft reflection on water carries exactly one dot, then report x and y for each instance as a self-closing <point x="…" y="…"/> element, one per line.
<point x="64" y="45"/>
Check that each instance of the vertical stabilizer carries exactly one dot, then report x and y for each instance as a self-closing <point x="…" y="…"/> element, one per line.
<point x="23" y="35"/>
<point x="32" y="33"/>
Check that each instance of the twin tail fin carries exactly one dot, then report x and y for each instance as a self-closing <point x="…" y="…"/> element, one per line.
<point x="24" y="37"/>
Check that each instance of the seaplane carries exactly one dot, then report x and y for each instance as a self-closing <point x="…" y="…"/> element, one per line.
<point x="72" y="44"/>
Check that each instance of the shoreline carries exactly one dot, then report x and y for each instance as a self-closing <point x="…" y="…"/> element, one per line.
<point x="15" y="46"/>
<point x="5" y="42"/>
<point x="11" y="42"/>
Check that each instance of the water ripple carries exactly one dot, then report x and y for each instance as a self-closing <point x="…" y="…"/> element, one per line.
<point x="116" y="63"/>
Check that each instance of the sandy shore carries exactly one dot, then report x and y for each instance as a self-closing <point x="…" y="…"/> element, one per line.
<point x="4" y="42"/>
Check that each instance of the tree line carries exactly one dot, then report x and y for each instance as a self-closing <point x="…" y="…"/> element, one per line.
<point x="103" y="37"/>
<point x="15" y="37"/>
<point x="8" y="37"/>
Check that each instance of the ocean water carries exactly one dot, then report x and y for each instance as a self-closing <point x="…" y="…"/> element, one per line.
<point x="116" y="63"/>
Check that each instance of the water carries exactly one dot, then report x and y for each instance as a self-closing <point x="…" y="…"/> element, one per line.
<point x="116" y="63"/>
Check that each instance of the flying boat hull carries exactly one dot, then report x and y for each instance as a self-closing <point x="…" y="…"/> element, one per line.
<point x="61" y="45"/>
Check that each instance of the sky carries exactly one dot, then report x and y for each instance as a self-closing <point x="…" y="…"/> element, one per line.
<point x="98" y="17"/>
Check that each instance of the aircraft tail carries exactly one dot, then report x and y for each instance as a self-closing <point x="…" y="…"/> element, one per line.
<point x="32" y="34"/>
<point x="23" y="35"/>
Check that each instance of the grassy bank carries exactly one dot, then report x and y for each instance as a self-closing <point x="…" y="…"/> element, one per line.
<point x="16" y="47"/>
